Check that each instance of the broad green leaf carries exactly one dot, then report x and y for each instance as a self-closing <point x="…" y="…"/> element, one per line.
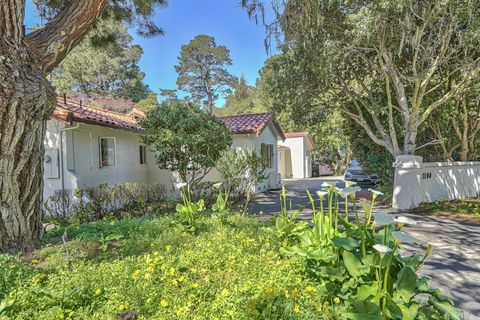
<point x="345" y="243"/>
<point x="366" y="291"/>
<point x="409" y="313"/>
<point x="393" y="311"/>
<point x="405" y="284"/>
<point x="446" y="308"/>
<point x="294" y="250"/>
<point x="354" y="266"/>
<point x="363" y="310"/>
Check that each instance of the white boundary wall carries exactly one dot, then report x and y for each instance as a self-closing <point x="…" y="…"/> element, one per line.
<point x="417" y="181"/>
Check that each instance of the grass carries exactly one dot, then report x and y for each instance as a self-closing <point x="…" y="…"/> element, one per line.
<point x="231" y="269"/>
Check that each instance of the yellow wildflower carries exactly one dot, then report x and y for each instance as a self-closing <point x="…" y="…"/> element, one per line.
<point x="164" y="303"/>
<point x="172" y="272"/>
<point x="168" y="248"/>
<point x="195" y="285"/>
<point x="296" y="308"/>
<point x="98" y="291"/>
<point x="181" y="279"/>
<point x="310" y="289"/>
<point x="336" y="300"/>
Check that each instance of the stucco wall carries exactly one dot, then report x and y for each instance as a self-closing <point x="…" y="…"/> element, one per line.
<point x="82" y="163"/>
<point x="299" y="150"/>
<point x="416" y="181"/>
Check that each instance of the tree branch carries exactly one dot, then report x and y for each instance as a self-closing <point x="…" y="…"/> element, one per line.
<point x="55" y="40"/>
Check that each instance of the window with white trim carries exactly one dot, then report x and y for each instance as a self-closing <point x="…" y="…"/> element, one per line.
<point x="107" y="152"/>
<point x="266" y="151"/>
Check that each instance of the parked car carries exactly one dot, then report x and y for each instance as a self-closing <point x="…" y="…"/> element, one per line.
<point x="319" y="170"/>
<point x="356" y="174"/>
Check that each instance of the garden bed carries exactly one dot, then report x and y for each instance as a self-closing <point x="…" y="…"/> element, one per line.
<point x="465" y="209"/>
<point x="215" y="263"/>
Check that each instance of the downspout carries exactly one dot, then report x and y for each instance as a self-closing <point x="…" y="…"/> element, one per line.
<point x="62" y="178"/>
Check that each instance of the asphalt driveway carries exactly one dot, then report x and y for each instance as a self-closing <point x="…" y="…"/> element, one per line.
<point x="454" y="265"/>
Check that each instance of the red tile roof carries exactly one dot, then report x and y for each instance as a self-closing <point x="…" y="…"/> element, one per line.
<point x="72" y="111"/>
<point x="251" y="123"/>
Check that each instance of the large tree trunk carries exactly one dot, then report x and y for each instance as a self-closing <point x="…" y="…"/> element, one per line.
<point x="26" y="101"/>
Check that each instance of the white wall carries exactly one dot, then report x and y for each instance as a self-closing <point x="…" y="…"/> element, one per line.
<point x="300" y="157"/>
<point x="416" y="181"/>
<point x="82" y="163"/>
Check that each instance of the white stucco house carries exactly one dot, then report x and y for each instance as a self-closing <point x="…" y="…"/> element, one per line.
<point x="86" y="146"/>
<point x="295" y="155"/>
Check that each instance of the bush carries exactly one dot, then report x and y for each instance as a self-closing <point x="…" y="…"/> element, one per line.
<point x="105" y="201"/>
<point x="185" y="139"/>
<point x="243" y="170"/>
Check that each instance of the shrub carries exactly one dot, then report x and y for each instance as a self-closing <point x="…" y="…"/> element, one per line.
<point x="105" y="201"/>
<point x="185" y="139"/>
<point x="243" y="170"/>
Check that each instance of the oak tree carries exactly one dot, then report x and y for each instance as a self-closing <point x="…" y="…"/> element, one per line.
<point x="388" y="65"/>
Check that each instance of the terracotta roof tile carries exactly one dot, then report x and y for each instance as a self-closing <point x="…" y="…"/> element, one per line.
<point x="247" y="123"/>
<point x="72" y="111"/>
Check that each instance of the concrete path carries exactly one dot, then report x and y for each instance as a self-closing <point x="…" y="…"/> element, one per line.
<point x="454" y="264"/>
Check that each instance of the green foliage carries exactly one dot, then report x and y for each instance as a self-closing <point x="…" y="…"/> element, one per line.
<point x="185" y="139"/>
<point x="387" y="65"/>
<point x="105" y="201"/>
<point x="137" y="14"/>
<point x="466" y="207"/>
<point x="372" y="157"/>
<point x="359" y="267"/>
<point x="202" y="70"/>
<point x="108" y="70"/>
<point x="243" y="170"/>
<point x="150" y="102"/>
<point x="244" y="99"/>
<point x="233" y="267"/>
<point x="162" y="271"/>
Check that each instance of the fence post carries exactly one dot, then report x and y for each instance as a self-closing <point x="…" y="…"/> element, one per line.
<point x="407" y="188"/>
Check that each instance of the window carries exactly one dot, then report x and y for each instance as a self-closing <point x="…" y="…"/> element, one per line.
<point x="143" y="154"/>
<point x="266" y="151"/>
<point x="107" y="152"/>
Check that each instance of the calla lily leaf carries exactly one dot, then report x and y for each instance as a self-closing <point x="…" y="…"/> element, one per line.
<point x="383" y="219"/>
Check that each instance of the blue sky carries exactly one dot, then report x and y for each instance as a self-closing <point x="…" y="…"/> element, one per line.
<point x="182" y="20"/>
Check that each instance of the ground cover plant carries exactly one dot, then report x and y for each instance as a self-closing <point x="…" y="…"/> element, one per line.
<point x="464" y="208"/>
<point x="211" y="263"/>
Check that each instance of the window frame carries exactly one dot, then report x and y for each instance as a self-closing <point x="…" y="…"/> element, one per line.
<point x="143" y="154"/>
<point x="266" y="151"/>
<point x="114" y="152"/>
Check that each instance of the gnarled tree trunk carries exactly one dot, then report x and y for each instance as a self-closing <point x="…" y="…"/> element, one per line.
<point x="26" y="101"/>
